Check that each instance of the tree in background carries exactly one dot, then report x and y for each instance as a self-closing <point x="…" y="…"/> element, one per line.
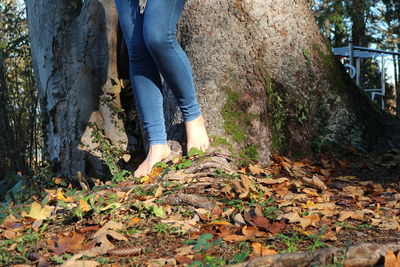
<point x="19" y="123"/>
<point x="366" y="23"/>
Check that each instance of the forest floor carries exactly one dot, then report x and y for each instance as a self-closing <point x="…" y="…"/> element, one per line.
<point x="207" y="210"/>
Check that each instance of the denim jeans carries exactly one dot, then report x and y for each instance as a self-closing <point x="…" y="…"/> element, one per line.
<point x="153" y="49"/>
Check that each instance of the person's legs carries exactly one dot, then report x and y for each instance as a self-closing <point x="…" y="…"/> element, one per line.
<point x="146" y="83"/>
<point x="159" y="33"/>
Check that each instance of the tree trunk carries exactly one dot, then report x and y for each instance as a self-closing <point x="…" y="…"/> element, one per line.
<point x="266" y="79"/>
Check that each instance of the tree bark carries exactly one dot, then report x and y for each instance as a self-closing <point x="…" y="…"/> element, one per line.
<point x="266" y="80"/>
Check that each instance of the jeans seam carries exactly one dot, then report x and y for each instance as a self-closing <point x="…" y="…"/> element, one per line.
<point x="174" y="47"/>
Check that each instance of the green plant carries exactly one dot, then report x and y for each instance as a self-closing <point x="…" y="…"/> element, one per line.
<point x="110" y="154"/>
<point x="163" y="228"/>
<point x="203" y="242"/>
<point x="316" y="239"/>
<point x="245" y="250"/>
<point x="270" y="212"/>
<point x="290" y="241"/>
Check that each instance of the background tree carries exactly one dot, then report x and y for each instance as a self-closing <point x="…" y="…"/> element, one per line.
<point x="20" y="131"/>
<point x="266" y="79"/>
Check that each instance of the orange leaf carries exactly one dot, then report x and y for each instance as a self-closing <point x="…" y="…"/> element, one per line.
<point x="84" y="205"/>
<point x="236" y="238"/>
<point x="135" y="220"/>
<point x="259" y="250"/>
<point x="390" y="259"/>
<point x="220" y="223"/>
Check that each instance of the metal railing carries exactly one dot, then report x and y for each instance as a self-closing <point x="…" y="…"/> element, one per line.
<point x="355" y="54"/>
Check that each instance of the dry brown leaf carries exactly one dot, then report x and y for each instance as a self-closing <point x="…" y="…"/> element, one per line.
<point x="236" y="238"/>
<point x="247" y="183"/>
<point x="276" y="227"/>
<point x="346" y="178"/>
<point x="182" y="251"/>
<point x="356" y="215"/>
<point x="316" y="183"/>
<point x="159" y="191"/>
<point x="216" y="213"/>
<point x="261" y="221"/>
<point x="293" y="217"/>
<point x="344" y="215"/>
<point x="255" y="169"/>
<point x="220" y="223"/>
<point x="272" y="181"/>
<point x="309" y="220"/>
<point x="65" y="243"/>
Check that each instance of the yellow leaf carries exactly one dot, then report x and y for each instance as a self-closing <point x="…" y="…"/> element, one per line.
<point x="309" y="205"/>
<point x="60" y="196"/>
<point x="145" y="179"/>
<point x="83" y="205"/>
<point x="37" y="212"/>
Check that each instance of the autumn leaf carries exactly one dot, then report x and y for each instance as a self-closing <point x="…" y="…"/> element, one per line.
<point x="65" y="243"/>
<point x="259" y="250"/>
<point x="84" y="206"/>
<point x="261" y="222"/>
<point x="390" y="260"/>
<point x="236" y="238"/>
<point x="60" y="196"/>
<point x="37" y="212"/>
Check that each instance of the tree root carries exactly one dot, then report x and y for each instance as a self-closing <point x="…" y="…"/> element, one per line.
<point x="365" y="254"/>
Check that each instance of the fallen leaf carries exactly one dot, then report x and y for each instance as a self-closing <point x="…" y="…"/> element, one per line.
<point x="159" y="191"/>
<point x="316" y="183"/>
<point x="134" y="221"/>
<point x="236" y="238"/>
<point x="37" y="212"/>
<point x="276" y="227"/>
<point x="293" y="217"/>
<point x="108" y="230"/>
<point x="344" y="215"/>
<point x="60" y="196"/>
<point x="84" y="206"/>
<point x="273" y="181"/>
<point x="346" y="178"/>
<point x="261" y="222"/>
<point x="255" y="169"/>
<point x="309" y="220"/>
<point x="390" y="259"/>
<point x="259" y="250"/>
<point x="220" y="223"/>
<point x="65" y="243"/>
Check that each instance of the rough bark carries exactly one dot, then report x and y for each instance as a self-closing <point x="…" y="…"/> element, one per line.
<point x="265" y="77"/>
<point x="75" y="54"/>
<point x="364" y="254"/>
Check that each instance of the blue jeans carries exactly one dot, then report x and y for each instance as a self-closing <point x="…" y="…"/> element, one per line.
<point x="153" y="49"/>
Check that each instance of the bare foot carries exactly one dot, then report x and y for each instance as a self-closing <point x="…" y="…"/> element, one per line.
<point x="156" y="153"/>
<point x="197" y="134"/>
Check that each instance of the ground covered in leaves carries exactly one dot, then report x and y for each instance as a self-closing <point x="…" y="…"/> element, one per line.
<point x="206" y="210"/>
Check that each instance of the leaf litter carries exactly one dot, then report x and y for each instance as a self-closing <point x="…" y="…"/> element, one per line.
<point x="226" y="215"/>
